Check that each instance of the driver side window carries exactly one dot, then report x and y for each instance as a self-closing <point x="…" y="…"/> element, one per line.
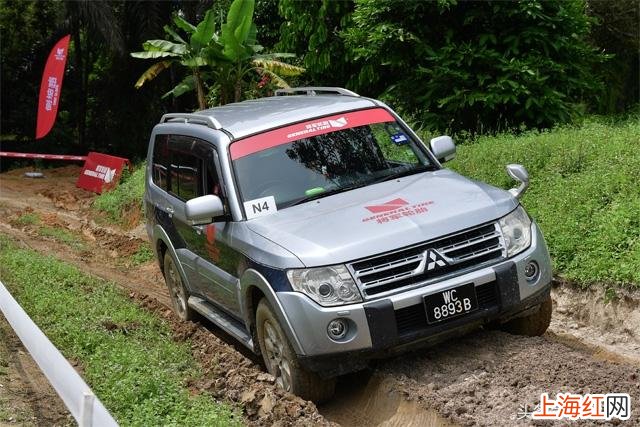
<point x="185" y="167"/>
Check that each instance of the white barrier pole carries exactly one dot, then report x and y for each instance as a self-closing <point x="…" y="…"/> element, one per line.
<point x="74" y="392"/>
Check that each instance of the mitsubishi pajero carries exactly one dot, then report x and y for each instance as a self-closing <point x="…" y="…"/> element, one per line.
<point x="317" y="229"/>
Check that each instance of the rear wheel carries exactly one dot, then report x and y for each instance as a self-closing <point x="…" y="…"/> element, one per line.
<point x="282" y="362"/>
<point x="534" y="324"/>
<point x="177" y="291"/>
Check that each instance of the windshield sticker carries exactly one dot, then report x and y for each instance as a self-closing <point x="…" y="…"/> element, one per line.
<point x="395" y="209"/>
<point x="260" y="207"/>
<point x="399" y="138"/>
<point x="315" y="127"/>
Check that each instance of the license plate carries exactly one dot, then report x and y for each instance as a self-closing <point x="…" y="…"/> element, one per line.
<point x="451" y="303"/>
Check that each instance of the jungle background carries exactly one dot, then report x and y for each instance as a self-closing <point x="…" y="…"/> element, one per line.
<point x="464" y="68"/>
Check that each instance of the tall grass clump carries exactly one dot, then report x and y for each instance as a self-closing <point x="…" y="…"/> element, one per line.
<point x="123" y="205"/>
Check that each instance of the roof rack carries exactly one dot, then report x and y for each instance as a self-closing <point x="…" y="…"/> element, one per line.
<point x="315" y="90"/>
<point x="203" y="119"/>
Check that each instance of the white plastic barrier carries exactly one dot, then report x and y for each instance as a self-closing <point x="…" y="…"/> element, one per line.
<point x="74" y="392"/>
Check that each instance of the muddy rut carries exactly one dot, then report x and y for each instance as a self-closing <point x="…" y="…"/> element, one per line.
<point x="484" y="378"/>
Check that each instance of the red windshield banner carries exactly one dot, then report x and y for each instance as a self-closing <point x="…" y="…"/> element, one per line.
<point x="51" y="87"/>
<point x="307" y="129"/>
<point x="101" y="172"/>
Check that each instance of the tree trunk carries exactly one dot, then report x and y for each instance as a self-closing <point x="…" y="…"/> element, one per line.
<point x="238" y="85"/>
<point x="202" y="103"/>
<point x="81" y="102"/>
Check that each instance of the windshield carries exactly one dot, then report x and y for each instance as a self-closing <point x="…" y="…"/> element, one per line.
<point x="336" y="158"/>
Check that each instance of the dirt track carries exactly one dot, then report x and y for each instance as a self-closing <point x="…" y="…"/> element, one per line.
<point x="481" y="379"/>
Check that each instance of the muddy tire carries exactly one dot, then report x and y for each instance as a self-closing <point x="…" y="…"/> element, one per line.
<point x="177" y="290"/>
<point x="282" y="362"/>
<point x="534" y="324"/>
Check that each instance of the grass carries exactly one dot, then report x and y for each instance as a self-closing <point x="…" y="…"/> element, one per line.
<point x="29" y="218"/>
<point x="124" y="203"/>
<point x="126" y="354"/>
<point x="61" y="235"/>
<point x="584" y="193"/>
<point x="143" y="255"/>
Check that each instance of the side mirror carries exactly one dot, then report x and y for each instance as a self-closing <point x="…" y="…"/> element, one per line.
<point x="443" y="148"/>
<point x="203" y="209"/>
<point x="519" y="173"/>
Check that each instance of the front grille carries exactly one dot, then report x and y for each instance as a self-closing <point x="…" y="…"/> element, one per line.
<point x="413" y="319"/>
<point x="388" y="273"/>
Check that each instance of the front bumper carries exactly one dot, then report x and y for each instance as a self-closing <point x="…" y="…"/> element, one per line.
<point x="397" y="322"/>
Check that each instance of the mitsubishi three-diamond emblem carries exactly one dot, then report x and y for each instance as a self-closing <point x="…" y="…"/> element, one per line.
<point x="434" y="259"/>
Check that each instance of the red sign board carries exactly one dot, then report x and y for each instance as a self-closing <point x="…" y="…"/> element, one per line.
<point x="101" y="172"/>
<point x="51" y="86"/>
<point x="287" y="134"/>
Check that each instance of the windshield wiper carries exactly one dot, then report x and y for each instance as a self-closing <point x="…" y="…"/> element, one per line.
<point x="405" y="172"/>
<point x="328" y="193"/>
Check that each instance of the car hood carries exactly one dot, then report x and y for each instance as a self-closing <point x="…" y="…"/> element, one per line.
<point x="382" y="217"/>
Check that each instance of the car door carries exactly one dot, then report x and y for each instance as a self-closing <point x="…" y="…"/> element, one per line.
<point x="187" y="167"/>
<point x="217" y="262"/>
<point x="178" y="169"/>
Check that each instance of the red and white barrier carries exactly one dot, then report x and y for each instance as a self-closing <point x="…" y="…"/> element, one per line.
<point x="42" y="156"/>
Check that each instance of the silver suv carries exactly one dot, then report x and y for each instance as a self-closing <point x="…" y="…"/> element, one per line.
<point x="317" y="229"/>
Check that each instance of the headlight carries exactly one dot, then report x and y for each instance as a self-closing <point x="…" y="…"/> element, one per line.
<point x="516" y="229"/>
<point x="326" y="285"/>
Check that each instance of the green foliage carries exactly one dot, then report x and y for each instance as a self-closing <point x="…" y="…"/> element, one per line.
<point x="616" y="32"/>
<point x="312" y="30"/>
<point x="127" y="354"/>
<point x="480" y="66"/>
<point x="223" y="59"/>
<point x="124" y="200"/>
<point x="584" y="193"/>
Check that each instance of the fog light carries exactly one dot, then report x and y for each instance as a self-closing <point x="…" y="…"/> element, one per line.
<point x="531" y="270"/>
<point x="337" y="329"/>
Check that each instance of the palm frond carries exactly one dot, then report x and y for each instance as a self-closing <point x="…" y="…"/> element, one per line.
<point x="279" y="81"/>
<point x="152" y="72"/>
<point x="186" y="85"/>
<point x="152" y="55"/>
<point x="164" y="46"/>
<point x="278" y="67"/>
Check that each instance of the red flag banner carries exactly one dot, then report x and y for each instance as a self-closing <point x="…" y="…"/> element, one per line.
<point x="101" y="172"/>
<point x="51" y="87"/>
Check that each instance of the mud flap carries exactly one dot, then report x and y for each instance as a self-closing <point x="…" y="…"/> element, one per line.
<point x="382" y="323"/>
<point x="508" y="287"/>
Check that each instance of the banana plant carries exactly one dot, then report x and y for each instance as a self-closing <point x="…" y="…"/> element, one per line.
<point x="223" y="59"/>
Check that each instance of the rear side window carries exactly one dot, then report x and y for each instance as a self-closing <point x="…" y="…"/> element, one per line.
<point x="160" y="162"/>
<point x="184" y="167"/>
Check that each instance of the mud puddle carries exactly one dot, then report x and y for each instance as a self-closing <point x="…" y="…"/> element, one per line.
<point x="363" y="399"/>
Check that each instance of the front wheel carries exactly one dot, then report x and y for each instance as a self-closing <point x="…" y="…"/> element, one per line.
<point x="177" y="291"/>
<point x="534" y="324"/>
<point x="282" y="362"/>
